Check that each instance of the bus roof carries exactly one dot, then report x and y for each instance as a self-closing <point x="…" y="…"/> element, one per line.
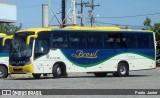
<point x="91" y="28"/>
<point x="2" y="35"/>
<point x="70" y="28"/>
<point x="37" y="30"/>
<point x="102" y="29"/>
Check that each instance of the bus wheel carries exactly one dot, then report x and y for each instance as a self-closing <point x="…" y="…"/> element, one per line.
<point x="3" y="72"/>
<point x="36" y="76"/>
<point x="122" y="71"/>
<point x="57" y="71"/>
<point x="100" y="74"/>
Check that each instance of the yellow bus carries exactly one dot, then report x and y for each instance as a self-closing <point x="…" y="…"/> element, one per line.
<point x="4" y="54"/>
<point x="97" y="50"/>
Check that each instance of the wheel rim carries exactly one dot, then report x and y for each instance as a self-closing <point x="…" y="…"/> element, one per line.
<point x="1" y="72"/>
<point x="123" y="70"/>
<point x="59" y="71"/>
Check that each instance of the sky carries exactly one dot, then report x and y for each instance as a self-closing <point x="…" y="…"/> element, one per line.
<point x="109" y="13"/>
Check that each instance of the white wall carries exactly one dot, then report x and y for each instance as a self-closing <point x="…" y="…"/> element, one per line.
<point x="8" y="12"/>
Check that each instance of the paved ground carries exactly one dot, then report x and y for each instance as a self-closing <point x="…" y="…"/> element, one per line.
<point x="146" y="79"/>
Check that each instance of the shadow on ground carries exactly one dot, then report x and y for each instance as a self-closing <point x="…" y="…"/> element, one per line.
<point x="42" y="78"/>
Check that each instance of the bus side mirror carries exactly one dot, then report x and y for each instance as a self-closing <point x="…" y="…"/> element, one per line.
<point x="29" y="37"/>
<point x="6" y="38"/>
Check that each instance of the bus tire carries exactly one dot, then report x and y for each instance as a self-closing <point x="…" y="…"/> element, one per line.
<point x="100" y="74"/>
<point x="36" y="76"/>
<point x="122" y="70"/>
<point x="57" y="71"/>
<point x="3" y="72"/>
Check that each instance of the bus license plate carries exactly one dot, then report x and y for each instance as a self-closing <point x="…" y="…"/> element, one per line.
<point x="17" y="67"/>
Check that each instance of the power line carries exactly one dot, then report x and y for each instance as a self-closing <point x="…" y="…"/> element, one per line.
<point x="151" y="14"/>
<point x="124" y="25"/>
<point x="91" y="12"/>
<point x="81" y="12"/>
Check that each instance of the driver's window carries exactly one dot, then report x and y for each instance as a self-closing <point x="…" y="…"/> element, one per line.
<point x="41" y="46"/>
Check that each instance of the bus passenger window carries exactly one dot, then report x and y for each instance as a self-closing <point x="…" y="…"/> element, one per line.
<point x="143" y="41"/>
<point x="59" y="41"/>
<point x="107" y="41"/>
<point x="115" y="40"/>
<point x="94" y="41"/>
<point x="77" y="40"/>
<point x="131" y="40"/>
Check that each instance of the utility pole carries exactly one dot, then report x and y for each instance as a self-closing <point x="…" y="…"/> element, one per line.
<point x="91" y="12"/>
<point x="92" y="8"/>
<point x="67" y="17"/>
<point x="63" y="12"/>
<point x="82" y="5"/>
<point x="73" y="2"/>
<point x="44" y="15"/>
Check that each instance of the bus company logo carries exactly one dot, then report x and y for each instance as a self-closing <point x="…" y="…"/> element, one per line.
<point x="82" y="54"/>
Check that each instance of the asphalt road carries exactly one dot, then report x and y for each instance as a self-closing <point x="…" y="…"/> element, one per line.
<point x="145" y="79"/>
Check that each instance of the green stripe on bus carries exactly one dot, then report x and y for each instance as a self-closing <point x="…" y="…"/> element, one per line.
<point x="94" y="64"/>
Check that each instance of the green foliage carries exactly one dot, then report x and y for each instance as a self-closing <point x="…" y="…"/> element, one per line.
<point x="147" y="23"/>
<point x="155" y="27"/>
<point x="9" y="28"/>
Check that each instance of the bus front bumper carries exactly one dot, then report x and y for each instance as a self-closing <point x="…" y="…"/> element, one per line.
<point x="21" y="69"/>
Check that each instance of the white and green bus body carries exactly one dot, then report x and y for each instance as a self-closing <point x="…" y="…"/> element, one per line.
<point x="83" y="49"/>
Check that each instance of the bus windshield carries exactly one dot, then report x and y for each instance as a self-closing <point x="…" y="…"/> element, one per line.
<point x="19" y="48"/>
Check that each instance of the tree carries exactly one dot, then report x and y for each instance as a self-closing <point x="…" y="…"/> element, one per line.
<point x="155" y="27"/>
<point x="147" y="24"/>
<point x="9" y="28"/>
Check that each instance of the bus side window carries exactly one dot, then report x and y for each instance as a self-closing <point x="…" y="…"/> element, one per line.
<point x="151" y="41"/>
<point x="94" y="41"/>
<point x="77" y="40"/>
<point x="131" y="41"/>
<point x="107" y="41"/>
<point x="139" y="40"/>
<point x="114" y="41"/>
<point x="144" y="41"/>
<point x="42" y="46"/>
<point x="59" y="41"/>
